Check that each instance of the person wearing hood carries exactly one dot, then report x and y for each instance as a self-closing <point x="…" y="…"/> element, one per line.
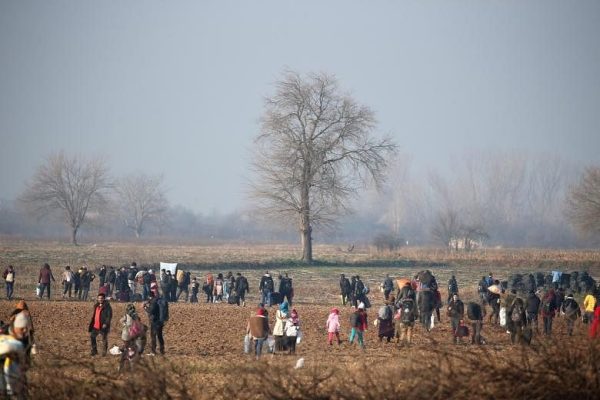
<point x="258" y="329"/>
<point x="589" y="304"/>
<point x="133" y="334"/>
<point x="570" y="309"/>
<point x="333" y="326"/>
<point x="292" y="328"/>
<point x="266" y="287"/>
<point x="359" y="324"/>
<point x="22" y="311"/>
<point x="279" y="328"/>
<point x="13" y="379"/>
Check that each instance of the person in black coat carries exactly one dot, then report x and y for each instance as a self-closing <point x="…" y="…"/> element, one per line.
<point x="100" y="324"/>
<point x="532" y="309"/>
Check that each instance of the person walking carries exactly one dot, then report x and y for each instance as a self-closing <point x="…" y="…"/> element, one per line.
<point x="456" y="312"/>
<point x="532" y="309"/>
<point x="157" y="309"/>
<point x="266" y="288"/>
<point x="67" y="279"/>
<point x="258" y="329"/>
<point x="100" y="324"/>
<point x="345" y="289"/>
<point x="388" y="286"/>
<point x="45" y="278"/>
<point x="476" y="313"/>
<point x="570" y="309"/>
<point x="359" y="324"/>
<point x="517" y="320"/>
<point x="241" y="288"/>
<point x="86" y="282"/>
<point x="405" y="319"/>
<point x="452" y="287"/>
<point x="333" y="326"/>
<point x="589" y="304"/>
<point x="133" y="334"/>
<point x="548" y="311"/>
<point x="281" y="316"/>
<point x="9" y="281"/>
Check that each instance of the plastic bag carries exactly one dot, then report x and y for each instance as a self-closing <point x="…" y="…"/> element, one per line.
<point x="502" y="316"/>
<point x="432" y="322"/>
<point x="115" y="351"/>
<point x="271" y="343"/>
<point x="247" y="344"/>
<point x="299" y="337"/>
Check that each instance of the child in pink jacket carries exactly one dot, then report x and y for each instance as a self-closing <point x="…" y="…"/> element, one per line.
<point x="333" y="326"/>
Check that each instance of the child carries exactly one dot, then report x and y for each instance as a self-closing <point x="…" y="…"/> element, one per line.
<point x="359" y="324"/>
<point x="333" y="326"/>
<point x="292" y="326"/>
<point x="195" y="288"/>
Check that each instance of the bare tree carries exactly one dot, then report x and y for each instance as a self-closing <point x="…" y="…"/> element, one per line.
<point x="141" y="200"/>
<point x="584" y="202"/>
<point x="71" y="185"/>
<point x="314" y="151"/>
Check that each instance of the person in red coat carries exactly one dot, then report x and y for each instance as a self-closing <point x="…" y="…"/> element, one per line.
<point x="595" y="327"/>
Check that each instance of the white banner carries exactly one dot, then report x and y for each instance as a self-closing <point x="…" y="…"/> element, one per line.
<point x="168" y="267"/>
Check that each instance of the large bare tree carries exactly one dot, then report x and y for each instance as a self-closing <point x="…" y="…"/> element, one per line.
<point x="315" y="150"/>
<point x="584" y="202"/>
<point x="141" y="199"/>
<point x="69" y="184"/>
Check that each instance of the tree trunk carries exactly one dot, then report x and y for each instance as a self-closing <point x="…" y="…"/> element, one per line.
<point x="74" y="236"/>
<point x="305" y="228"/>
<point x="306" y="237"/>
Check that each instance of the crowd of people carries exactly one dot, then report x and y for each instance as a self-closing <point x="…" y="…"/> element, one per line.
<point x="417" y="299"/>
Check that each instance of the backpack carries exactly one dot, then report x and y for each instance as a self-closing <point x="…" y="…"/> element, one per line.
<point x="517" y="313"/>
<point x="471" y="313"/>
<point x="163" y="310"/>
<point x="269" y="284"/>
<point x="570" y="308"/>
<point x="136" y="329"/>
<point x="385" y="313"/>
<point x="131" y="274"/>
<point x="408" y="311"/>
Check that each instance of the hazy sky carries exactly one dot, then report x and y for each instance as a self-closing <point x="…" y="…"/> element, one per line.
<point x="177" y="87"/>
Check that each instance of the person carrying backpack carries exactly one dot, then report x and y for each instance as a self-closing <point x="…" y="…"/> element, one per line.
<point x="452" y="287"/>
<point x="571" y="311"/>
<point x="9" y="280"/>
<point x="548" y="311"/>
<point x="456" y="312"/>
<point x="388" y="286"/>
<point x="405" y="320"/>
<point x="518" y="320"/>
<point x="157" y="309"/>
<point x="476" y="313"/>
<point x="286" y="289"/>
<point x="532" y="309"/>
<point x="266" y="288"/>
<point x="386" y="322"/>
